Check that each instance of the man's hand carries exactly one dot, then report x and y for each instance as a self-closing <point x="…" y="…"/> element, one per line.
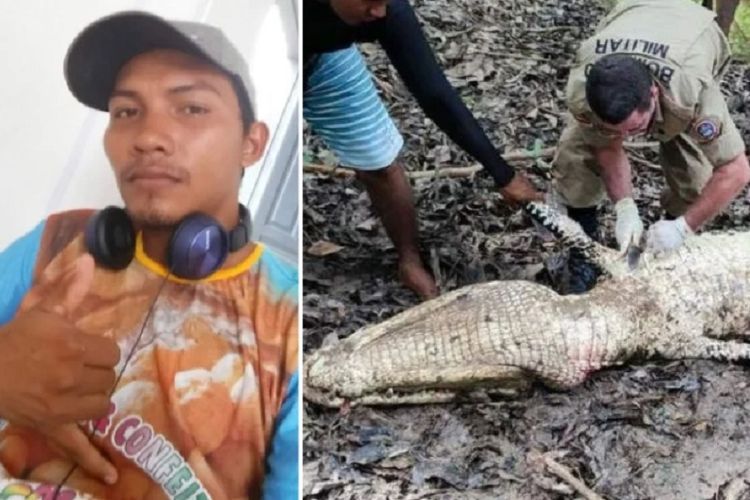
<point x="520" y="190"/>
<point x="667" y="235"/>
<point x="53" y="374"/>
<point x="628" y="227"/>
<point x="71" y="442"/>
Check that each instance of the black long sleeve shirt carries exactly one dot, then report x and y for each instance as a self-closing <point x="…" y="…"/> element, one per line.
<point x="401" y="36"/>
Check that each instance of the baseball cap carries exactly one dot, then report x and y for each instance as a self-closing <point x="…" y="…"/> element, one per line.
<point x="97" y="54"/>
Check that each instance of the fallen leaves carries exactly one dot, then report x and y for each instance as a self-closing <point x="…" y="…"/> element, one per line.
<point x="322" y="248"/>
<point x="652" y="431"/>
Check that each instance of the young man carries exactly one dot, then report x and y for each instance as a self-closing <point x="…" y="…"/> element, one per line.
<point x="642" y="75"/>
<point x="342" y="106"/>
<point x="135" y="383"/>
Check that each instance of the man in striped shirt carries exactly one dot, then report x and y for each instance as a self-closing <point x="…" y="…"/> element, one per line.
<point x="342" y="106"/>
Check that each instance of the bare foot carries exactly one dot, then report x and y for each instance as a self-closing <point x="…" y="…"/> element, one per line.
<point x="415" y="277"/>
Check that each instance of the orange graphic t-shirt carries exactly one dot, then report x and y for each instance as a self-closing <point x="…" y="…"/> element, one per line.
<point x="194" y="414"/>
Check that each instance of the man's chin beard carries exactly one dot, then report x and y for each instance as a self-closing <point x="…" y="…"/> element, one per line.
<point x="151" y="220"/>
<point x="150" y="213"/>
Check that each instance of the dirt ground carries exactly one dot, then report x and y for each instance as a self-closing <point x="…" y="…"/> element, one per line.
<point x="650" y="430"/>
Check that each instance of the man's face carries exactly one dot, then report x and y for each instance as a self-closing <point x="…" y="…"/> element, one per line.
<point x="639" y="121"/>
<point x="355" y="12"/>
<point x="175" y="139"/>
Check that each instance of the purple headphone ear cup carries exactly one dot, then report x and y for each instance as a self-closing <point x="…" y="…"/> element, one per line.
<point x="110" y="238"/>
<point x="198" y="247"/>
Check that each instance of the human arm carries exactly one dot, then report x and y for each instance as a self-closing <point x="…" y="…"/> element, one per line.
<point x="713" y="131"/>
<point x="404" y="41"/>
<point x="615" y="172"/>
<point x="725" y="184"/>
<point x="77" y="368"/>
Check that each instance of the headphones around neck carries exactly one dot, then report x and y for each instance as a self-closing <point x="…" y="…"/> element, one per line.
<point x="197" y="248"/>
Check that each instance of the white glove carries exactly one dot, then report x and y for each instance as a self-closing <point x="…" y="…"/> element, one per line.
<point x="667" y="235"/>
<point x="628" y="228"/>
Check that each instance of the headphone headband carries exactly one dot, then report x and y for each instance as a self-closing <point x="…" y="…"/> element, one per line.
<point x="198" y="246"/>
<point x="240" y="235"/>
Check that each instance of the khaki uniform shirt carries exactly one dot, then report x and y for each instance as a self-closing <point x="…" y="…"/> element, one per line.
<point x="686" y="53"/>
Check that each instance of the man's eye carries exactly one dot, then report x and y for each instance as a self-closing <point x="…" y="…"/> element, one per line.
<point x="119" y="113"/>
<point x="194" y="109"/>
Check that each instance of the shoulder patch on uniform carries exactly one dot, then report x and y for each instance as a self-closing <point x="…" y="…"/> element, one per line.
<point x="707" y="129"/>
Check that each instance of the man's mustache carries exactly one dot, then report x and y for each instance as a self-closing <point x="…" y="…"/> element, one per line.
<point x="154" y="168"/>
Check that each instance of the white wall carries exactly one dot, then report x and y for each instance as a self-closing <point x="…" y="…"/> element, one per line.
<point x="51" y="153"/>
<point x="271" y="188"/>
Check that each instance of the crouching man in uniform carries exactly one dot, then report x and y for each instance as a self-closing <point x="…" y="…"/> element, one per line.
<point x="653" y="68"/>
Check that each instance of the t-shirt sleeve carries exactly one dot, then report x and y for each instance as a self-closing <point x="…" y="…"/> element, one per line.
<point x="403" y="40"/>
<point x="282" y="458"/>
<point x="714" y="130"/>
<point x="17" y="271"/>
<point x="282" y="467"/>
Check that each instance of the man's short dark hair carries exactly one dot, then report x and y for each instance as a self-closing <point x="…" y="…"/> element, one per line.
<point x="617" y="85"/>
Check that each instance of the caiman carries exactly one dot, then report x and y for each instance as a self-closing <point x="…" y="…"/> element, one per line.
<point x="501" y="336"/>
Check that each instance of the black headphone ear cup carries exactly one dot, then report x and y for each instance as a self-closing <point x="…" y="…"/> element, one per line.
<point x="110" y="238"/>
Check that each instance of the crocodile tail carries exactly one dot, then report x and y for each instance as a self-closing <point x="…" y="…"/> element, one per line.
<point x="571" y="234"/>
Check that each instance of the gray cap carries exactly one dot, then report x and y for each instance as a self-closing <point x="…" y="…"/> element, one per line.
<point x="97" y="54"/>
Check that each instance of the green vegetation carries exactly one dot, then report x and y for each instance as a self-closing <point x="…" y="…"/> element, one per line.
<point x="739" y="34"/>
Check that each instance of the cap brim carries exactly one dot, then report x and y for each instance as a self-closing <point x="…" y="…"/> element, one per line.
<point x="97" y="54"/>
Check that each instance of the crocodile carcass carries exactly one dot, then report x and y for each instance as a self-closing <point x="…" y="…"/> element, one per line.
<point x="501" y="336"/>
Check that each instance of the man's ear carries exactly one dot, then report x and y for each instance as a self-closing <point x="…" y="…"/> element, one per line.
<point x="654" y="90"/>
<point x="254" y="143"/>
